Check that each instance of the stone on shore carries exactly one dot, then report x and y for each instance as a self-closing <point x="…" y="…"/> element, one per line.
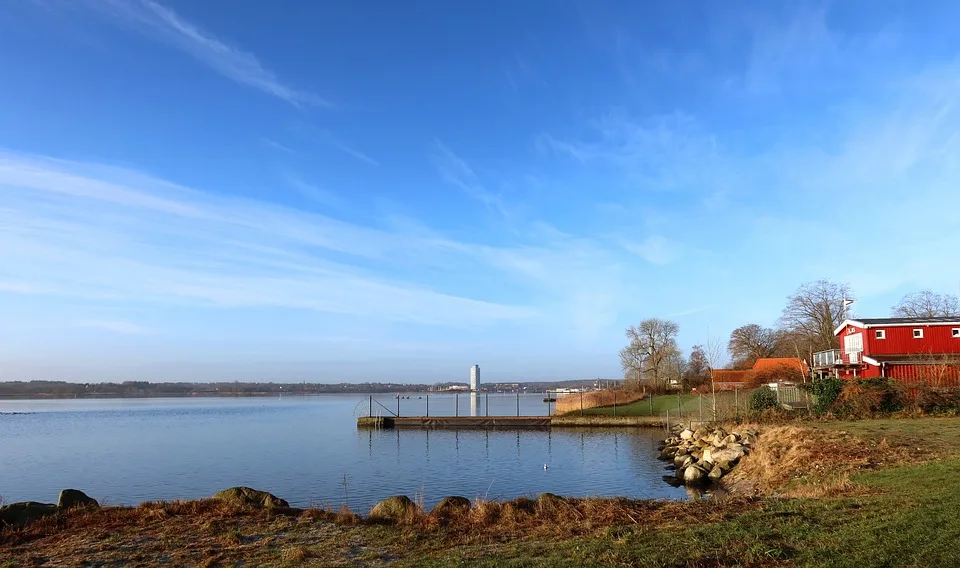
<point x="393" y="508"/>
<point x="704" y="454"/>
<point x="19" y="514"/>
<point x="247" y="497"/>
<point x="70" y="498"/>
<point x="452" y="506"/>
<point x="693" y="474"/>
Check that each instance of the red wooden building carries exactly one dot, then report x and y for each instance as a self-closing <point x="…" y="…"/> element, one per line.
<point x="906" y="349"/>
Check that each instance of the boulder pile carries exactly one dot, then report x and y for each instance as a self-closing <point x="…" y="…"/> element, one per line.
<point x="705" y="455"/>
<point x="20" y="514"/>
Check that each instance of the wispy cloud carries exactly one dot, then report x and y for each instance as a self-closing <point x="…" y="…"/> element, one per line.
<point x="352" y="152"/>
<point x="128" y="237"/>
<point x="314" y="193"/>
<point x="115" y="326"/>
<point x="276" y="145"/>
<point x="163" y="24"/>
<point x="655" y="249"/>
<point x="457" y="172"/>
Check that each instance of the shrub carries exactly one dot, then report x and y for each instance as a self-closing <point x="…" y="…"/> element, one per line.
<point x="762" y="399"/>
<point x="825" y="392"/>
<point x="936" y="400"/>
<point x="866" y="397"/>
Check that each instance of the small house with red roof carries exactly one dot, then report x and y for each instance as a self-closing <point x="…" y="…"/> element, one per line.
<point x="778" y="369"/>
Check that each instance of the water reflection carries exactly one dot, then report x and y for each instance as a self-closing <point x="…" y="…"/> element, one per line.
<point x="301" y="449"/>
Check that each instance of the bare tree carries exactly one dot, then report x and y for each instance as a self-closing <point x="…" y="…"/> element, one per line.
<point x="751" y="342"/>
<point x="927" y="304"/>
<point x="678" y="369"/>
<point x="698" y="367"/>
<point x="648" y="353"/>
<point x="814" y="311"/>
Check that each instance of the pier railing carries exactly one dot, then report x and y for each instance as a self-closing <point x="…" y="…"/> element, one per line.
<point x="482" y="404"/>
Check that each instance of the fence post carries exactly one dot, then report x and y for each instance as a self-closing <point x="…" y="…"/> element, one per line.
<point x="736" y="402"/>
<point x="679" y="406"/>
<point x="651" y="404"/>
<point x="428" y="406"/>
<point x="370" y="412"/>
<point x="518" y="403"/>
<point x="398" y="405"/>
<point x="700" y="402"/>
<point x="581" y="403"/>
<point x="457" y="411"/>
<point x="486" y="404"/>
<point x="614" y="403"/>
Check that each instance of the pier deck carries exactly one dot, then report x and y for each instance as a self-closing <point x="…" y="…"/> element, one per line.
<point x="507" y="422"/>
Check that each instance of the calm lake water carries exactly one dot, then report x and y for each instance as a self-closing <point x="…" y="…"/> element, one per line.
<point x="308" y="450"/>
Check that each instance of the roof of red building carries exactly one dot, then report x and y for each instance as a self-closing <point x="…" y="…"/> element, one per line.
<point x="867" y="323"/>
<point x="731" y="375"/>
<point x="773" y="363"/>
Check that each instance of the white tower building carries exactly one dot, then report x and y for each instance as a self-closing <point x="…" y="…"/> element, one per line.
<point x="475" y="378"/>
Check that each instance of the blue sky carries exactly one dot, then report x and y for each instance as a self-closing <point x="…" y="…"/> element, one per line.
<point x="354" y="191"/>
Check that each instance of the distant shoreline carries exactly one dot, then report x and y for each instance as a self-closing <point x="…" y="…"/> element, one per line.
<point x="192" y="395"/>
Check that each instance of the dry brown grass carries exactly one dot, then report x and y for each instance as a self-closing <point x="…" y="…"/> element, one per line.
<point x="593" y="399"/>
<point x="807" y="461"/>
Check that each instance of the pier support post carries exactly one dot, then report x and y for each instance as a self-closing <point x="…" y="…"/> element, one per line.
<point x="518" y="403"/>
<point x="457" y="411"/>
<point x="398" y="405"/>
<point x="428" y="406"/>
<point x="486" y="404"/>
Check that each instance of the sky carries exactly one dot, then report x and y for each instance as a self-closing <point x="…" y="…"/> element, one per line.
<point x="395" y="191"/>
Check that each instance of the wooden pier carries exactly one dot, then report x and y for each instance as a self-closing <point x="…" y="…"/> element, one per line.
<point x="508" y="422"/>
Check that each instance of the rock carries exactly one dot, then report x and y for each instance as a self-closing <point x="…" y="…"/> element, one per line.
<point x="724" y="466"/>
<point x="700" y="433"/>
<point x="672" y="481"/>
<point x="731" y="456"/>
<point x="246" y="497"/>
<point x="452" y="506"/>
<point x="19" y="514"/>
<point x="520" y="506"/>
<point x="393" y="508"/>
<point x="693" y="474"/>
<point x="730" y="439"/>
<point x="668" y="453"/>
<point x="70" y="498"/>
<point x="548" y="501"/>
<point x="715" y="473"/>
<point x="686" y="434"/>
<point x="708" y="455"/>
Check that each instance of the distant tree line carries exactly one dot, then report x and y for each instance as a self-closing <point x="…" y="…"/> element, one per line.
<point x="32" y="389"/>
<point x="63" y="389"/>
<point x="652" y="360"/>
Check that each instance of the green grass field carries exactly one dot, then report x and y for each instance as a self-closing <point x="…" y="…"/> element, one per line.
<point x="910" y="517"/>
<point x="686" y="404"/>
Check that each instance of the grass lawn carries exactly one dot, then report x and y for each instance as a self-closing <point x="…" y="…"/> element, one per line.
<point x="893" y="515"/>
<point x="688" y="404"/>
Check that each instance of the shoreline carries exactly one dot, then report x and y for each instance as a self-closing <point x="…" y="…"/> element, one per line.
<point x="867" y="492"/>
